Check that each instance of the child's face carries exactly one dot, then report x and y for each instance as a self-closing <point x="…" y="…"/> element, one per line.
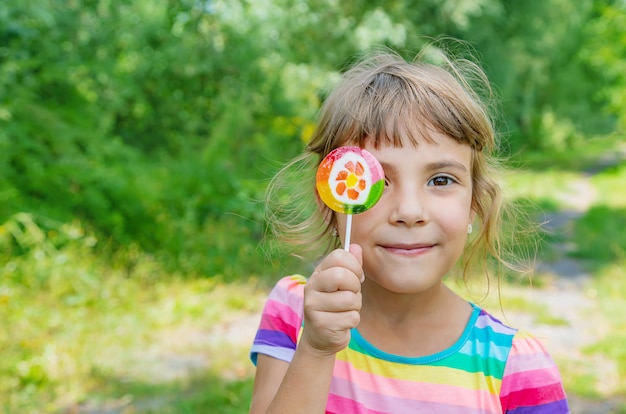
<point x="415" y="234"/>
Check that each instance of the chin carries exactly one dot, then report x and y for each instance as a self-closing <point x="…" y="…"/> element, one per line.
<point x="408" y="287"/>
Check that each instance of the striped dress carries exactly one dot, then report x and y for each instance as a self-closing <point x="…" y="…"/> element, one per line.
<point x="492" y="368"/>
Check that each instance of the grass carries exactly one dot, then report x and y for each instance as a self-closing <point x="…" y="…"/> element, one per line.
<point x="601" y="230"/>
<point x="202" y="393"/>
<point x="79" y="329"/>
<point x="230" y="397"/>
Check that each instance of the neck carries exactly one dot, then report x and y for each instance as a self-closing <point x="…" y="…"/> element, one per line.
<point x="399" y="308"/>
<point x="412" y="324"/>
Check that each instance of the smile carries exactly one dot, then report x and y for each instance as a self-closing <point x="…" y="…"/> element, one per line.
<point x="408" y="249"/>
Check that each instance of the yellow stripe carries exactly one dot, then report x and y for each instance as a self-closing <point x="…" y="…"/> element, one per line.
<point x="425" y="373"/>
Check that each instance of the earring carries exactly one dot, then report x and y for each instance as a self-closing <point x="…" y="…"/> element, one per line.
<point x="335" y="233"/>
<point x="469" y="229"/>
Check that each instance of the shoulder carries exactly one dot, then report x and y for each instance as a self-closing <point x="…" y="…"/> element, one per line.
<point x="486" y="320"/>
<point x="531" y="377"/>
<point x="527" y="354"/>
<point x="489" y="330"/>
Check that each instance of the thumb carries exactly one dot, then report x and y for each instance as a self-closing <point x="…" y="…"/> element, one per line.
<point x="357" y="252"/>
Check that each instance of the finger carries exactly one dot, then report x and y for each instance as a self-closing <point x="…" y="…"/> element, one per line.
<point x="334" y="279"/>
<point x="341" y="258"/>
<point x="333" y="321"/>
<point x="357" y="252"/>
<point x="339" y="301"/>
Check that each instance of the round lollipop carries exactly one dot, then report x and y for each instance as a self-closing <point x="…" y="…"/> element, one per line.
<point x="350" y="180"/>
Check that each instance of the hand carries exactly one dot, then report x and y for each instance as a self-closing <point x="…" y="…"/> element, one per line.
<point x="332" y="301"/>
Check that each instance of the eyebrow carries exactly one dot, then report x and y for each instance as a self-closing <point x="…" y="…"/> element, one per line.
<point x="446" y="164"/>
<point x="433" y="166"/>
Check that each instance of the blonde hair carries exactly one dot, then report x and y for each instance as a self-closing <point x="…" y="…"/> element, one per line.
<point x="382" y="100"/>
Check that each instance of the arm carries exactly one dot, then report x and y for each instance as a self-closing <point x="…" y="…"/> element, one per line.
<point x="332" y="300"/>
<point x="269" y="374"/>
<point x="297" y="387"/>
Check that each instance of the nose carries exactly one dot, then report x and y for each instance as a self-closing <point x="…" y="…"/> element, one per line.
<point x="408" y="207"/>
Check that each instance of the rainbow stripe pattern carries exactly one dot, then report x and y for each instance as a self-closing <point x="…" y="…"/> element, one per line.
<point x="492" y="368"/>
<point x="350" y="180"/>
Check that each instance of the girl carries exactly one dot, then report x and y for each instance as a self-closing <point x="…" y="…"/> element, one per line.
<point x="375" y="329"/>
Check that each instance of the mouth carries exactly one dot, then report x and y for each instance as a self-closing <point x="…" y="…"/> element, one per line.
<point x="413" y="249"/>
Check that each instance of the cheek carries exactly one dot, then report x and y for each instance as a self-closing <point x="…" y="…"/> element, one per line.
<point x="454" y="217"/>
<point x="362" y="223"/>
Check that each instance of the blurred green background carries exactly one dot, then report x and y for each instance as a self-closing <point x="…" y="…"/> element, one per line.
<point x="137" y="137"/>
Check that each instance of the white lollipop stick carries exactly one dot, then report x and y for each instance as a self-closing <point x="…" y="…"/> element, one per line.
<point x="348" y="233"/>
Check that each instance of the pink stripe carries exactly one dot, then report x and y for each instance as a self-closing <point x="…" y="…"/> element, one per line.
<point x="342" y="392"/>
<point x="273" y="324"/>
<point x="527" y="362"/>
<point x="426" y="392"/>
<point x="530" y="379"/>
<point x="534" y="397"/>
<point x="278" y="310"/>
<point x="341" y="405"/>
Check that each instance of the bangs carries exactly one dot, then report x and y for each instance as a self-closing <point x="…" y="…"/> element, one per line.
<point x="390" y="103"/>
<point x="387" y="112"/>
<point x="396" y="111"/>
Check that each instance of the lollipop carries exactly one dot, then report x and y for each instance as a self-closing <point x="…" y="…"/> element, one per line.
<point x="350" y="180"/>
